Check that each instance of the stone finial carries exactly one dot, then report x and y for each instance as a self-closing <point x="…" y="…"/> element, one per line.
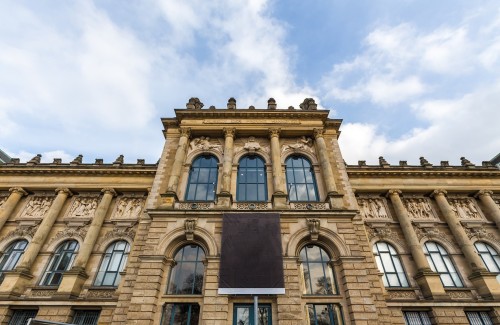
<point x="403" y="163"/>
<point x="424" y="162"/>
<point x="271" y="103"/>
<point x="99" y="161"/>
<point x="119" y="160"/>
<point x="57" y="161"/>
<point x="251" y="107"/>
<point x="487" y="164"/>
<point x="231" y="103"/>
<point x="141" y="161"/>
<point x="445" y="163"/>
<point x="466" y="162"/>
<point x="382" y="162"/>
<point x="361" y="163"/>
<point x="78" y="160"/>
<point x="291" y="108"/>
<point x="212" y="107"/>
<point x="309" y="105"/>
<point x="14" y="161"/>
<point x="194" y="103"/>
<point x="313" y="226"/>
<point x="35" y="160"/>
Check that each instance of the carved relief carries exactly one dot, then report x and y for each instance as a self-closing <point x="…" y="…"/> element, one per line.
<point x="430" y="231"/>
<point x="373" y="208"/>
<point x="22" y="231"/>
<point x="116" y="233"/>
<point x="465" y="209"/>
<point x="309" y="206"/>
<point x="419" y="208"/>
<point x="460" y="294"/>
<point x="128" y="208"/>
<point x="402" y="294"/>
<point x="303" y="143"/>
<point x="83" y="207"/>
<point x="205" y="143"/>
<point x="37" y="207"/>
<point x="251" y="145"/>
<point x="70" y="232"/>
<point x="313" y="226"/>
<point x="189" y="225"/>
<point x="479" y="232"/>
<point x="101" y="294"/>
<point x="251" y="206"/>
<point x="383" y="231"/>
<point x="43" y="293"/>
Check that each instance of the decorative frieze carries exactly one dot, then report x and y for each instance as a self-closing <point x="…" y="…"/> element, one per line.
<point x="22" y="231"/>
<point x="419" y="208"/>
<point x="251" y="206"/>
<point x="100" y="293"/>
<point x="309" y="206"/>
<point x="195" y="205"/>
<point x="465" y="209"/>
<point x="128" y="208"/>
<point x="402" y="294"/>
<point x="205" y="144"/>
<point x="43" y="293"/>
<point x="83" y="207"/>
<point x="373" y="208"/>
<point x="460" y="294"/>
<point x="70" y="232"/>
<point x="37" y="206"/>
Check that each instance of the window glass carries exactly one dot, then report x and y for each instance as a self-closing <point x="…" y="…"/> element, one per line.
<point x="318" y="274"/>
<point x="21" y="316"/>
<point x="300" y="180"/>
<point x="186" y="276"/>
<point x="252" y="184"/>
<point x="441" y="263"/>
<point x="202" y="182"/>
<point x="112" y="264"/>
<point x="417" y="318"/>
<point x="490" y="257"/>
<point x="389" y="263"/>
<point x="86" y="317"/>
<point x="59" y="263"/>
<point x="478" y="318"/>
<point x="180" y="314"/>
<point x="11" y="256"/>
<point x="324" y="314"/>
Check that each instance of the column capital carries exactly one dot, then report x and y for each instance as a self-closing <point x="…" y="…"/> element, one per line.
<point x="318" y="133"/>
<point x="109" y="190"/>
<point x="229" y="132"/>
<point x="274" y="132"/>
<point x="65" y="190"/>
<point x="185" y="132"/>
<point x="393" y="192"/>
<point x="439" y="192"/>
<point x="483" y="192"/>
<point x="18" y="190"/>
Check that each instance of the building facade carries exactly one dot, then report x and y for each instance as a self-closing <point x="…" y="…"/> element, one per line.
<point x="115" y="243"/>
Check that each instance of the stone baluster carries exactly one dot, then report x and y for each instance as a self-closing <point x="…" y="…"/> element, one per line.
<point x="224" y="198"/>
<point x="16" y="282"/>
<point x="16" y="193"/>
<point x="491" y="207"/>
<point x="484" y="281"/>
<point x="279" y="195"/>
<point x="74" y="279"/>
<point x="429" y="282"/>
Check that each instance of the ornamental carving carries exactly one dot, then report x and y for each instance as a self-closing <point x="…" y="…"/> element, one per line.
<point x="70" y="232"/>
<point x="205" y="144"/>
<point x="309" y="206"/>
<point x="116" y="233"/>
<point x="430" y="231"/>
<point x="465" y="209"/>
<point x="460" y="294"/>
<point x="43" y="293"/>
<point x="128" y="208"/>
<point x="101" y="294"/>
<point x="373" y="208"/>
<point x="302" y="143"/>
<point x="383" y="231"/>
<point x="402" y="294"/>
<point x="37" y="207"/>
<point x="251" y="145"/>
<point x="313" y="227"/>
<point x="83" y="207"/>
<point x="195" y="205"/>
<point x="252" y="206"/>
<point x="419" y="208"/>
<point x="479" y="232"/>
<point x="189" y="226"/>
<point x="22" y="231"/>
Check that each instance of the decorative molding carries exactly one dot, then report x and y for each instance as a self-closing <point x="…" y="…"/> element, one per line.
<point x="22" y="231"/>
<point x="429" y="230"/>
<point x="460" y="294"/>
<point x="189" y="226"/>
<point x="480" y="232"/>
<point x="43" y="293"/>
<point x="70" y="232"/>
<point x="100" y="293"/>
<point x="116" y="233"/>
<point x="382" y="230"/>
<point x="309" y="206"/>
<point x="263" y="121"/>
<point x="402" y="294"/>
<point x="419" y="208"/>
<point x="194" y="205"/>
<point x="373" y="208"/>
<point x="251" y="206"/>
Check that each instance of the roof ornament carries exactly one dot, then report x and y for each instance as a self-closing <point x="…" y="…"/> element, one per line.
<point x="78" y="160"/>
<point x="271" y="103"/>
<point x="309" y="105"/>
<point x="35" y="160"/>
<point x="119" y="160"/>
<point x="231" y="103"/>
<point x="424" y="162"/>
<point x="382" y="162"/>
<point x="466" y="162"/>
<point x="194" y="103"/>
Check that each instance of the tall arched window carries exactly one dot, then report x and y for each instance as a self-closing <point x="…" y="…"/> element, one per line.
<point x="186" y="276"/>
<point x="11" y="256"/>
<point x="112" y="264"/>
<point x="489" y="256"/>
<point x="441" y="263"/>
<point x="318" y="274"/>
<point x="300" y="180"/>
<point x="59" y="263"/>
<point x="388" y="262"/>
<point x="202" y="182"/>
<point x="252" y="184"/>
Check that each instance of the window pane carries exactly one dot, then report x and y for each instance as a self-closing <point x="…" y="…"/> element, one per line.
<point x="201" y="192"/>
<point x="251" y="192"/>
<point x="180" y="314"/>
<point x="187" y="275"/>
<point x="202" y="179"/>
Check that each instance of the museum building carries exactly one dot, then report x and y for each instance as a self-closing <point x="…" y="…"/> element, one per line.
<point x="251" y="216"/>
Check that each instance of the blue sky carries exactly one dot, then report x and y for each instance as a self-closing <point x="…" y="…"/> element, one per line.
<point x="409" y="78"/>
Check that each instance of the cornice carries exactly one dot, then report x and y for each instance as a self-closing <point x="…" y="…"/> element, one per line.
<point x="436" y="172"/>
<point x="149" y="170"/>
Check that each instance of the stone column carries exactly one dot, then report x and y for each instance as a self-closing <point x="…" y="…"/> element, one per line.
<point x="279" y="195"/>
<point x="16" y="282"/>
<point x="492" y="208"/>
<point x="484" y="281"/>
<point x="170" y="197"/>
<point x="224" y="198"/>
<point x="74" y="279"/>
<point x="326" y="168"/>
<point x="16" y="193"/>
<point x="429" y="282"/>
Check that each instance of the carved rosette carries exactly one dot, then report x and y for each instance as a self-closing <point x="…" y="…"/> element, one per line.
<point x="313" y="227"/>
<point x="189" y="226"/>
<point x="465" y="209"/>
<point x="419" y="208"/>
<point x="373" y="208"/>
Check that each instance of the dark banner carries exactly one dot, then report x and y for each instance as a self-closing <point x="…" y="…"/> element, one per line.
<point x="251" y="255"/>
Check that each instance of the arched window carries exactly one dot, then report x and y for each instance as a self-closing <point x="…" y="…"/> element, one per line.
<point x="112" y="264"/>
<point x="59" y="263"/>
<point x="252" y="185"/>
<point x="489" y="256"/>
<point x="11" y="256"/>
<point x="318" y="274"/>
<point x="202" y="182"/>
<point x="186" y="276"/>
<point x="440" y="262"/>
<point x="388" y="262"/>
<point x="300" y="180"/>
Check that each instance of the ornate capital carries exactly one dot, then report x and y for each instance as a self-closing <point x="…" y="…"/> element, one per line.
<point x="185" y="132"/>
<point x="275" y="132"/>
<point x="439" y="192"/>
<point x="483" y="192"/>
<point x="318" y="133"/>
<point x="18" y="190"/>
<point x="393" y="192"/>
<point x="109" y="190"/>
<point x="64" y="190"/>
<point x="229" y="132"/>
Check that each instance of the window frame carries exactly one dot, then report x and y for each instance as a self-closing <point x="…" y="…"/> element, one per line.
<point x="191" y="183"/>
<point x="430" y="259"/>
<point x="423" y="320"/>
<point x="484" y="317"/>
<point x="239" y="178"/>
<point x="23" y="319"/>
<point x="308" y="283"/>
<point x="394" y="256"/>
<point x="109" y="254"/>
<point x="177" y="271"/>
<point x="495" y="258"/>
<point x="190" y="305"/>
<point x="335" y="313"/>
<point x="54" y="263"/>
<point x="290" y="185"/>
<point x="8" y="257"/>
<point x="84" y="314"/>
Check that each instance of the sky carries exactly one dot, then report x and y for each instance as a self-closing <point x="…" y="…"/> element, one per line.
<point x="408" y="78"/>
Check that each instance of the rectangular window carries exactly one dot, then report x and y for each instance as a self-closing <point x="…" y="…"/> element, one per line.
<point x="180" y="314"/>
<point x="417" y="318"/>
<point x="324" y="314"/>
<point x="479" y="318"/>
<point x="21" y="316"/>
<point x="86" y="317"/>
